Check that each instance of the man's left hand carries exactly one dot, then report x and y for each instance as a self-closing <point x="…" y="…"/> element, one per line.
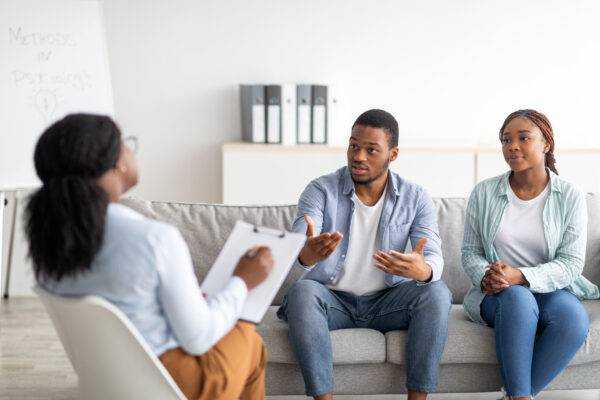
<point x="409" y="265"/>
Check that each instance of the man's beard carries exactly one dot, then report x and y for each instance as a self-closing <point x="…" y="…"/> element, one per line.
<point x="369" y="181"/>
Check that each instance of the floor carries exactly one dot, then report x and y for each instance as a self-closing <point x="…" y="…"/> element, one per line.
<point x="33" y="364"/>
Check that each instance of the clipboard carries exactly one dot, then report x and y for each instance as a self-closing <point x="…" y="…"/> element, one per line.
<point x="285" y="247"/>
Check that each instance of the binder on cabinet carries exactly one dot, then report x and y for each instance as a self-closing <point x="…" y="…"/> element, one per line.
<point x="253" y="113"/>
<point x="303" y="111"/>
<point x="288" y="114"/>
<point x="319" y="114"/>
<point x="273" y="121"/>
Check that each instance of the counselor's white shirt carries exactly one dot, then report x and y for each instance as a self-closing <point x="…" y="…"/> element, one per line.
<point x="145" y="269"/>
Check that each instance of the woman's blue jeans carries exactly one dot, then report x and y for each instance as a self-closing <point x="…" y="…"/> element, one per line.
<point x="537" y="334"/>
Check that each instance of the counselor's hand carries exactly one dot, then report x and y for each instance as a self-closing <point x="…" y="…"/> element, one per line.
<point x="254" y="266"/>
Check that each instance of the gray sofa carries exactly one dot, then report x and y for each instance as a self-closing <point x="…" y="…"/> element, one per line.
<point x="366" y="361"/>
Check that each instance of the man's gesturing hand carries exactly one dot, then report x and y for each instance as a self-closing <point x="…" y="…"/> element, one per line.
<point x="409" y="265"/>
<point x="317" y="248"/>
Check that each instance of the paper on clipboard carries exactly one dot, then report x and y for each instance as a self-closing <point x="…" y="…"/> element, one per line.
<point x="285" y="247"/>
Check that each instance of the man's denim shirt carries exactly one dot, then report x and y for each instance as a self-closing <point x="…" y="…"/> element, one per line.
<point x="408" y="212"/>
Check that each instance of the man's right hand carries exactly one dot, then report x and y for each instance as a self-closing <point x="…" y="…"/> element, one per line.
<point x="254" y="266"/>
<point x="317" y="248"/>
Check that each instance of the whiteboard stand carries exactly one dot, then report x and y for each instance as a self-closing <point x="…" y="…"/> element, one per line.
<point x="5" y="272"/>
<point x="3" y="204"/>
<point x="11" y="242"/>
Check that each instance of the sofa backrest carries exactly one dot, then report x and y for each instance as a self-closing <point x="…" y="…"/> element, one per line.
<point x="592" y="256"/>
<point x="205" y="228"/>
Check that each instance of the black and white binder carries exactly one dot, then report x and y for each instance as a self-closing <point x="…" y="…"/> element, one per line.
<point x="288" y="114"/>
<point x="319" y="114"/>
<point x="273" y="101"/>
<point x="253" y="113"/>
<point x="303" y="98"/>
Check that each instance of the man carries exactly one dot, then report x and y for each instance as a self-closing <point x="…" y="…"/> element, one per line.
<point x="358" y="221"/>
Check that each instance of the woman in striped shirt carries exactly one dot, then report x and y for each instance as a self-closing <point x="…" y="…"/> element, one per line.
<point x="524" y="250"/>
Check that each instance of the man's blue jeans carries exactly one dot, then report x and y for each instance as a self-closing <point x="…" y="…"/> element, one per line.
<point x="537" y="334"/>
<point x="312" y="310"/>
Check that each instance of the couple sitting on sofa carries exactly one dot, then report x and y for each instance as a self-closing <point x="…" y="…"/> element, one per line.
<point x="523" y="249"/>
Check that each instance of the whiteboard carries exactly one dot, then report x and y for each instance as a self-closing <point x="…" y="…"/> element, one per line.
<point x="53" y="61"/>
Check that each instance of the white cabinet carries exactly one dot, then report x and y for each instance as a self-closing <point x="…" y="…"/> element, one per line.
<point x="581" y="167"/>
<point x="275" y="174"/>
<point x="442" y="173"/>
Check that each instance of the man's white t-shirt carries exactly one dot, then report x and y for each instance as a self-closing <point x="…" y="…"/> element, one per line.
<point x="520" y="241"/>
<point x="360" y="277"/>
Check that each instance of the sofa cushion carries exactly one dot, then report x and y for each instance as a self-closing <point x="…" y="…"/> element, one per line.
<point x="471" y="343"/>
<point x="350" y="346"/>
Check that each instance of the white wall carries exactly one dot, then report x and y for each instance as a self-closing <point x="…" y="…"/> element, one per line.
<point x="449" y="71"/>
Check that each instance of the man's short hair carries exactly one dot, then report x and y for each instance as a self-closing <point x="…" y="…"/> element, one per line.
<point x="376" y="118"/>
